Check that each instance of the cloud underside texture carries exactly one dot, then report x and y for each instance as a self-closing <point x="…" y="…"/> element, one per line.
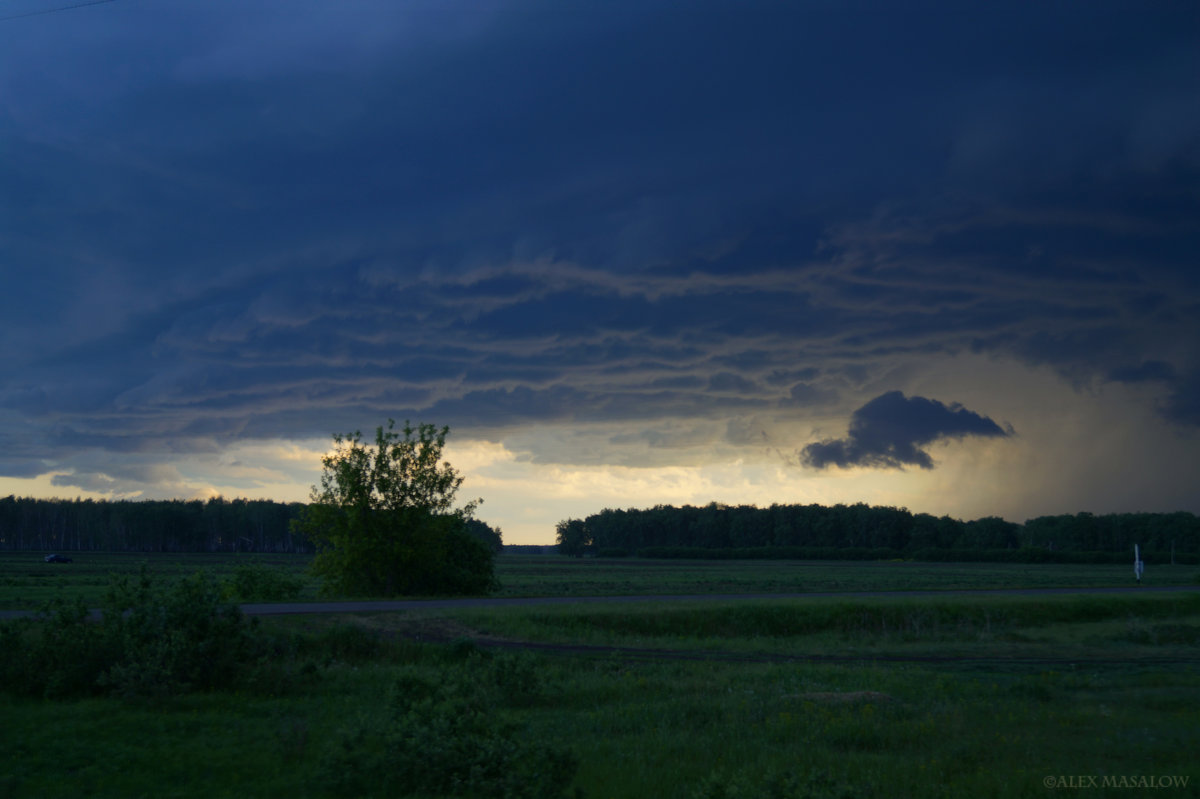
<point x="889" y="431"/>
<point x="273" y="228"/>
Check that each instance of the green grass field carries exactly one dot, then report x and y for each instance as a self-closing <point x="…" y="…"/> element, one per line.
<point x="824" y="697"/>
<point x="26" y="582"/>
<point x="556" y="576"/>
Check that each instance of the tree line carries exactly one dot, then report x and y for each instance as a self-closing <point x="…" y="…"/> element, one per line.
<point x="717" y="530"/>
<point x="213" y="525"/>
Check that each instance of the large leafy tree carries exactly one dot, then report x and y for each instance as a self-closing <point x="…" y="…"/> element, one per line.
<point x="573" y="538"/>
<point x="383" y="519"/>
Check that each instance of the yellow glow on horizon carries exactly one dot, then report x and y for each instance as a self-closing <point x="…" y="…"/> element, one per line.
<point x="1100" y="450"/>
<point x="41" y="487"/>
<point x="533" y="497"/>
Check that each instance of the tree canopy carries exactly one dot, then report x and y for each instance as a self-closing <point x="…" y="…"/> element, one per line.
<point x="814" y="531"/>
<point x="383" y="519"/>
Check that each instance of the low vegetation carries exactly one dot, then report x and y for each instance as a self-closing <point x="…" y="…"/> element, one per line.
<point x="541" y="575"/>
<point x="446" y="734"/>
<point x="257" y="582"/>
<point x="149" y="641"/>
<point x="1027" y="625"/>
<point x="26" y="582"/>
<point x="940" y="696"/>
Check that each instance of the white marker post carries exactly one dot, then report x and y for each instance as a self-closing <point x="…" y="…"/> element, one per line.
<point x="1138" y="566"/>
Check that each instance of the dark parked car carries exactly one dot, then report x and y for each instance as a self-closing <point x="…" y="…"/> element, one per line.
<point x="56" y="559"/>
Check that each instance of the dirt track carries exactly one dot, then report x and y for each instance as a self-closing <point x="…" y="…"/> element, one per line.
<point x="440" y="633"/>
<point x="443" y="633"/>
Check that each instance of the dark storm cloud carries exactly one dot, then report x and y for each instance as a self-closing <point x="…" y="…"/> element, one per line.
<point x="1183" y="403"/>
<point x="1147" y="371"/>
<point x="889" y="431"/>
<point x="809" y="395"/>
<point x="220" y="221"/>
<point x="728" y="382"/>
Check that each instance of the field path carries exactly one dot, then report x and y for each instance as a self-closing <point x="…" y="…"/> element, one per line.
<point x="634" y="653"/>
<point x="642" y="653"/>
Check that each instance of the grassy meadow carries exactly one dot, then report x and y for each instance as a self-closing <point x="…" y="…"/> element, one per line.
<point x="557" y="576"/>
<point x="938" y="696"/>
<point x="26" y="582"/>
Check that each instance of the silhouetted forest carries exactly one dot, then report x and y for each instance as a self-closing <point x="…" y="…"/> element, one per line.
<point x="713" y="531"/>
<point x="870" y="532"/>
<point x="214" y="525"/>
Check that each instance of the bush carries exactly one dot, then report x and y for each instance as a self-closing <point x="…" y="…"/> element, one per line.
<point x="445" y="737"/>
<point x="150" y="641"/>
<point x="254" y="582"/>
<point x="59" y="653"/>
<point x="516" y="676"/>
<point x="182" y="638"/>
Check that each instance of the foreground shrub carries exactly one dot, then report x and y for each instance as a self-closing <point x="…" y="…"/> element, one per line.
<point x="182" y="638"/>
<point x="149" y="641"/>
<point x="60" y="653"/>
<point x="516" y="676"/>
<point x="445" y="737"/>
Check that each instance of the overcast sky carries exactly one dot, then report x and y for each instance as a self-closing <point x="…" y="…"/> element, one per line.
<point x="938" y="255"/>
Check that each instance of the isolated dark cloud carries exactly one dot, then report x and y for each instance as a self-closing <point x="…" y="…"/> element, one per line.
<point x="889" y="431"/>
<point x="222" y="222"/>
